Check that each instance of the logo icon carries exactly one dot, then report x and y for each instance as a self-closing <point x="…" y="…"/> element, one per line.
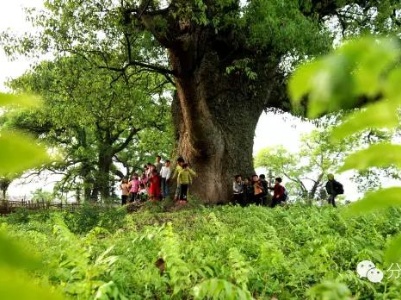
<point x="367" y="269"/>
<point x="375" y="275"/>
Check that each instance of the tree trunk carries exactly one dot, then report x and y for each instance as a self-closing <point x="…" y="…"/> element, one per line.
<point x="102" y="183"/>
<point x="215" y="116"/>
<point x="87" y="179"/>
<point x="4" y="184"/>
<point x="315" y="186"/>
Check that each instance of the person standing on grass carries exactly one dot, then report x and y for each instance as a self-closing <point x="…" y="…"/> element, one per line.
<point x="143" y="180"/>
<point x="158" y="164"/>
<point x="124" y="186"/>
<point x="133" y="187"/>
<point x="333" y="188"/>
<point x="154" y="186"/>
<point x="248" y="192"/>
<point x="184" y="180"/>
<point x="149" y="169"/>
<point x="265" y="186"/>
<point x="238" y="190"/>
<point x="178" y="168"/>
<point x="165" y="175"/>
<point x="257" y="190"/>
<point x="278" y="192"/>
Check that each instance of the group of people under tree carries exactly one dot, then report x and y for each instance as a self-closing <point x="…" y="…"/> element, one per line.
<point x="256" y="190"/>
<point x="154" y="182"/>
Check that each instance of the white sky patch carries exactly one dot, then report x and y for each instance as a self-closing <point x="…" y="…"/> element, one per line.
<point x="13" y="19"/>
<point x="279" y="129"/>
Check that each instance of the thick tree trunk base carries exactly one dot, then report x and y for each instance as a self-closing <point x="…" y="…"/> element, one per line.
<point x="215" y="118"/>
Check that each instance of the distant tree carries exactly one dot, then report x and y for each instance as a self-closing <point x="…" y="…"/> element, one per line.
<point x="95" y="119"/>
<point x="41" y="195"/>
<point x="4" y="184"/>
<point x="317" y="156"/>
<point x="307" y="167"/>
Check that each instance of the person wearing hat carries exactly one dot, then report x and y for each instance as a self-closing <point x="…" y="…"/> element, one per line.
<point x="333" y="188"/>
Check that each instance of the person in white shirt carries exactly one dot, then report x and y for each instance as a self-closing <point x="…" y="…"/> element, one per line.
<point x="165" y="173"/>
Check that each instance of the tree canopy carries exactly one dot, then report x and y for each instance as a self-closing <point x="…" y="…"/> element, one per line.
<point x="96" y="120"/>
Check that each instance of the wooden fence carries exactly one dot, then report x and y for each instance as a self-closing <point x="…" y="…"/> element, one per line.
<point x="7" y="206"/>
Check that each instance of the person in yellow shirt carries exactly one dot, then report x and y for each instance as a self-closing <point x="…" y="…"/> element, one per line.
<point x="178" y="168"/>
<point x="184" y="179"/>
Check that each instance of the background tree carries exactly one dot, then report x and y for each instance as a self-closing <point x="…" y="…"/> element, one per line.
<point x="307" y="167"/>
<point x="4" y="184"/>
<point x="92" y="116"/>
<point x="225" y="58"/>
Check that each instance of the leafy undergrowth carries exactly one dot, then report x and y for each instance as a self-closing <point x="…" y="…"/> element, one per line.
<point x="210" y="253"/>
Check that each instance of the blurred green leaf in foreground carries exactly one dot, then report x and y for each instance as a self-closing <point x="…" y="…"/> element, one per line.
<point x="19" y="152"/>
<point x="362" y="73"/>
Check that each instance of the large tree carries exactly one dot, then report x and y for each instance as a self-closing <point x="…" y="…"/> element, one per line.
<point x="225" y="58"/>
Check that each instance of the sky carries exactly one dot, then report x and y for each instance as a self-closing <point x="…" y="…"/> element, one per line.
<point x="272" y="129"/>
<point x="12" y="17"/>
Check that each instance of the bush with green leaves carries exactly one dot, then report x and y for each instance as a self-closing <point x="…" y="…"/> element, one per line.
<point x="89" y="216"/>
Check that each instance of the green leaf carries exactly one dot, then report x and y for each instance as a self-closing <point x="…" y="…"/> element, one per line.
<point x="380" y="199"/>
<point x="392" y="86"/>
<point x="374" y="57"/>
<point x="377" y="115"/>
<point x="14" y="285"/>
<point x="379" y="155"/>
<point x="14" y="255"/>
<point x="300" y="83"/>
<point x="327" y="82"/>
<point x="337" y="81"/>
<point x="19" y="152"/>
<point x="23" y="100"/>
<point x="393" y="251"/>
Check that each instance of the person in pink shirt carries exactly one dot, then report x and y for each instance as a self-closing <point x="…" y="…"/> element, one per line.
<point x="144" y="179"/>
<point x="133" y="187"/>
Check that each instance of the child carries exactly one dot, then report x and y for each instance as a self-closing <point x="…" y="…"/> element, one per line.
<point x="184" y="179"/>
<point x="133" y="187"/>
<point x="238" y="190"/>
<point x="124" y="186"/>
<point x="248" y="192"/>
<point x="178" y="168"/>
<point x="142" y="193"/>
<point x="143" y="180"/>
<point x="257" y="190"/>
<point x="154" y="186"/>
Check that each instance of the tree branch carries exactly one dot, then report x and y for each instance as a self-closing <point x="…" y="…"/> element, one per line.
<point x="124" y="145"/>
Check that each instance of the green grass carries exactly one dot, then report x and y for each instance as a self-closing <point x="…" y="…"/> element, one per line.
<point x="225" y="252"/>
